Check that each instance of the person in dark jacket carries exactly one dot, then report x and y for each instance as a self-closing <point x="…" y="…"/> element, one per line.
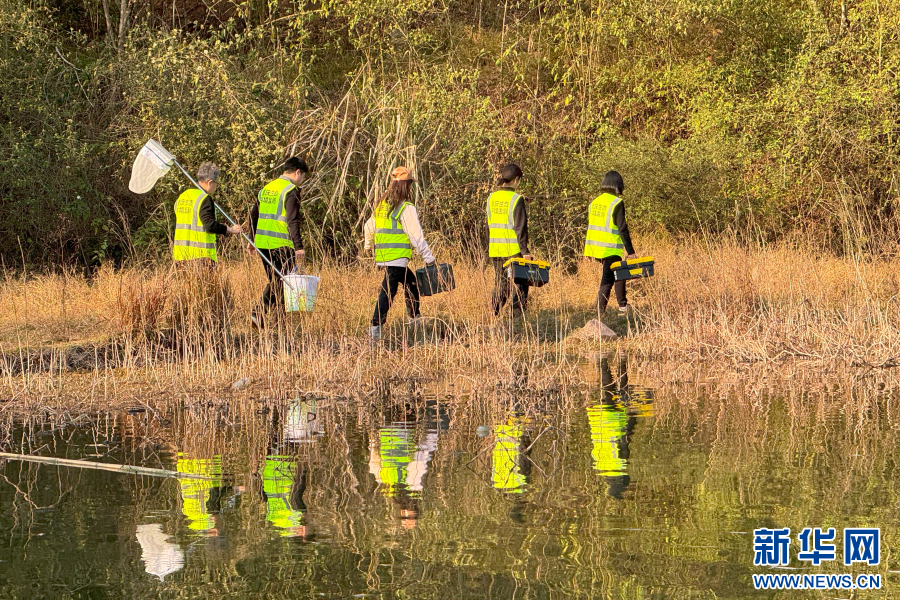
<point x="608" y="238"/>
<point x="196" y="226"/>
<point x="508" y="237"/>
<point x="275" y="225"/>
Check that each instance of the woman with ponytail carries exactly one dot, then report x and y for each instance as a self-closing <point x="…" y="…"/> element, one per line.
<point x="394" y="230"/>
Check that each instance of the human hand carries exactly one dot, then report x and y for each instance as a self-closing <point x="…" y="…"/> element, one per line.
<point x="235" y="229"/>
<point x="250" y="249"/>
<point x="526" y="256"/>
<point x="300" y="256"/>
<point x="631" y="256"/>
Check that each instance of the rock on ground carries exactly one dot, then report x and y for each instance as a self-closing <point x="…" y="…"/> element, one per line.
<point x="595" y="330"/>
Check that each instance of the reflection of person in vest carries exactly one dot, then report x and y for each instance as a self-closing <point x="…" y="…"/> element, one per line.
<point x="196" y="226"/>
<point x="507" y="237"/>
<point x="394" y="231"/>
<point x="611" y="428"/>
<point x="201" y="498"/>
<point x="390" y="453"/>
<point x="284" y="481"/>
<point x="608" y="238"/>
<point x="510" y="467"/>
<point x="400" y="465"/>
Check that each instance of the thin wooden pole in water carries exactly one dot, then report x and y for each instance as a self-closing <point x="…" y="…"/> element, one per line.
<point x="84" y="464"/>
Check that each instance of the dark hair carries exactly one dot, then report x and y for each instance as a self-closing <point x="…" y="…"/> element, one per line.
<point x="294" y="164"/>
<point x="509" y="173"/>
<point x="612" y="183"/>
<point x="397" y="193"/>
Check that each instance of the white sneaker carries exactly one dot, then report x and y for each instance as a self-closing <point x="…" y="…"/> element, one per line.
<point x="375" y="333"/>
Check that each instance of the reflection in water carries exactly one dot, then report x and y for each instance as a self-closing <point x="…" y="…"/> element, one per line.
<point x="200" y="498"/>
<point x="284" y="482"/>
<point x="284" y="477"/>
<point x="161" y="556"/>
<point x="509" y="465"/>
<point x="301" y="422"/>
<point x="389" y="456"/>
<point x="535" y="512"/>
<point x="612" y="423"/>
<point x="399" y="463"/>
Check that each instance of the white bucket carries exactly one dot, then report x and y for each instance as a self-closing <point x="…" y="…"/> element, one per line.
<point x="300" y="292"/>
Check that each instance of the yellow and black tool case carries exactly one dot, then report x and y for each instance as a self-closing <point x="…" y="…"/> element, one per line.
<point x="528" y="272"/>
<point x="634" y="268"/>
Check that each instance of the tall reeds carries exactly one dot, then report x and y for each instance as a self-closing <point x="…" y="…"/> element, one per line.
<point x="722" y="303"/>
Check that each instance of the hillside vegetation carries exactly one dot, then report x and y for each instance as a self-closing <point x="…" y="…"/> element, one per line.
<point x="760" y="121"/>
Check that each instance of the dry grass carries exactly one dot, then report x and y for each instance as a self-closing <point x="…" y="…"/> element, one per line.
<point x="721" y="305"/>
<point x="727" y="303"/>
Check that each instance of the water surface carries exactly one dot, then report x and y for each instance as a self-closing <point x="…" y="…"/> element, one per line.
<point x="615" y="491"/>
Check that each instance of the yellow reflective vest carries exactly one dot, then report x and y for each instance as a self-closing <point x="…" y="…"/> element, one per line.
<point x="396" y="449"/>
<point x="272" y="229"/>
<point x="278" y="479"/>
<point x="195" y="492"/>
<point x="506" y="470"/>
<point x="608" y="426"/>
<point x="191" y="241"/>
<point x="391" y="242"/>
<point x="603" y="237"/>
<point x="503" y="242"/>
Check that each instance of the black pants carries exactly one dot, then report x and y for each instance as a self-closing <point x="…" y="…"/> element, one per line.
<point x="283" y="259"/>
<point x="393" y="278"/>
<point x="503" y="286"/>
<point x="607" y="281"/>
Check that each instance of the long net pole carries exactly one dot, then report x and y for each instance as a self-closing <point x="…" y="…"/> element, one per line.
<point x="230" y="220"/>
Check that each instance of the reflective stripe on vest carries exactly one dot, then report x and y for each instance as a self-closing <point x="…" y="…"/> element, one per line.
<point x="391" y="242"/>
<point x="271" y="228"/>
<point x="608" y="427"/>
<point x="503" y="242"/>
<point x="191" y="241"/>
<point x="603" y="237"/>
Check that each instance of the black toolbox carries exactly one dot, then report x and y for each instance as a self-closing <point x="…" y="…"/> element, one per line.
<point x="528" y="272"/>
<point x="435" y="278"/>
<point x="634" y="268"/>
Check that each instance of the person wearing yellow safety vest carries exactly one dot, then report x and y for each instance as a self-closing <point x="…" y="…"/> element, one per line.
<point x="196" y="226"/>
<point x="608" y="238"/>
<point x="507" y="237"/>
<point x="275" y="225"/>
<point x="394" y="231"/>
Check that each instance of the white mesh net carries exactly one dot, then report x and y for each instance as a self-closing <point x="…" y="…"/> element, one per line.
<point x="152" y="162"/>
